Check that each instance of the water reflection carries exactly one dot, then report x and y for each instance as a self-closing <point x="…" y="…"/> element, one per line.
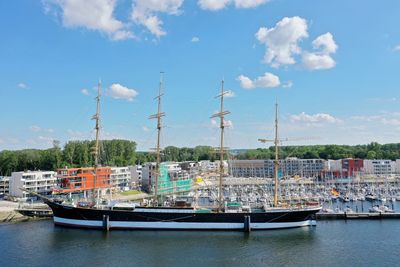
<point x="42" y="244"/>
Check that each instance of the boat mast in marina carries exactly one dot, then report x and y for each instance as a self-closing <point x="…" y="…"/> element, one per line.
<point x="276" y="162"/>
<point x="158" y="116"/>
<point x="96" y="117"/>
<point x="221" y="114"/>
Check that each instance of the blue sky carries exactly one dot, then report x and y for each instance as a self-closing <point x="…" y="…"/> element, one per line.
<point x="332" y="65"/>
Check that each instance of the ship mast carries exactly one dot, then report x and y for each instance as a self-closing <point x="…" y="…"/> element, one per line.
<point x="96" y="117"/>
<point x="221" y="114"/>
<point x="276" y="162"/>
<point x="158" y="116"/>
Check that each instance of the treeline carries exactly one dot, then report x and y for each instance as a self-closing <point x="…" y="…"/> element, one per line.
<point x="74" y="154"/>
<point x="370" y="151"/>
<point x="123" y="153"/>
<point x="172" y="153"/>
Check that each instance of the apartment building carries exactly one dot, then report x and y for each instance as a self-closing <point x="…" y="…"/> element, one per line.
<point x="380" y="167"/>
<point x="287" y="167"/>
<point x="4" y="185"/>
<point x="121" y="178"/>
<point x="41" y="182"/>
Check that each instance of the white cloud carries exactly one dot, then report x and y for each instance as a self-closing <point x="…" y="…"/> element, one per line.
<point x="122" y="35"/>
<point x="282" y="43"/>
<point x="144" y="12"/>
<point x="77" y="135"/>
<point x="118" y="91"/>
<point x="391" y="121"/>
<point x="367" y="118"/>
<point x="249" y="3"/>
<point x="287" y="84"/>
<point x="91" y="14"/>
<point x="326" y="43"/>
<point x="322" y="59"/>
<point x="282" y="40"/>
<point x="22" y="85"/>
<point x="145" y="129"/>
<point x="46" y="139"/>
<point x="396" y="48"/>
<point x="245" y="82"/>
<point x="229" y="93"/>
<point x="195" y="39"/>
<point x="85" y="91"/>
<point x="314" y="119"/>
<point x="385" y="118"/>
<point x="315" y="61"/>
<point x="35" y="128"/>
<point x="215" y="5"/>
<point x="268" y="80"/>
<point x="384" y="99"/>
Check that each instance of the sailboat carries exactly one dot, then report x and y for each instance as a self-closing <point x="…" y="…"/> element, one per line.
<point x="222" y="217"/>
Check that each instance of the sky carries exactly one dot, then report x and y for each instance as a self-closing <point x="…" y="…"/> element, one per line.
<point x="333" y="67"/>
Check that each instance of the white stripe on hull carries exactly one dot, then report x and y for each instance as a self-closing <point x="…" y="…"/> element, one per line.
<point x="180" y="225"/>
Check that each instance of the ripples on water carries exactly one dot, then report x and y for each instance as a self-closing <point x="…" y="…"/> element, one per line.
<point x="331" y="243"/>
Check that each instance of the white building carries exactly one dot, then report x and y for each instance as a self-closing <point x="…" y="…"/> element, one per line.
<point x="4" y="185"/>
<point x="148" y="176"/>
<point x="397" y="166"/>
<point x="41" y="182"/>
<point x="209" y="166"/>
<point x="287" y="167"/>
<point x="381" y="167"/>
<point x="120" y="178"/>
<point x="136" y="175"/>
<point x="333" y="165"/>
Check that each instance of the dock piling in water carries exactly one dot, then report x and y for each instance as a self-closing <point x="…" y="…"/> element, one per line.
<point x="247" y="224"/>
<point x="106" y="223"/>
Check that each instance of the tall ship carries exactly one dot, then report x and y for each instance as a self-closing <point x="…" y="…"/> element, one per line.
<point x="221" y="216"/>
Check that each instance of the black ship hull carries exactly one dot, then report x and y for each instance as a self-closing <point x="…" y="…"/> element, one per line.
<point x="179" y="219"/>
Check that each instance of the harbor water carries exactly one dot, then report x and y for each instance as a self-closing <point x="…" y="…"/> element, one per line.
<point x="330" y="243"/>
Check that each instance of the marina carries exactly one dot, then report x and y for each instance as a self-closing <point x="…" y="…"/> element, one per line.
<point x="256" y="192"/>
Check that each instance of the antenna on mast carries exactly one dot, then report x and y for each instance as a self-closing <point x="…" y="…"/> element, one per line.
<point x="221" y="114"/>
<point x="158" y="116"/>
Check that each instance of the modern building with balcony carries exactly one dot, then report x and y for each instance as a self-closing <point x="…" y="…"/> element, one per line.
<point x="136" y="176"/>
<point x="379" y="168"/>
<point x="41" y="182"/>
<point x="78" y="180"/>
<point x="4" y="185"/>
<point x="120" y="178"/>
<point x="287" y="167"/>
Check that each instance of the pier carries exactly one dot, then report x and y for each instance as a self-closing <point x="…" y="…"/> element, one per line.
<point x="357" y="216"/>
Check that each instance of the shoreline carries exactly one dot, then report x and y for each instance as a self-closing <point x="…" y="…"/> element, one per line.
<point x="9" y="213"/>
